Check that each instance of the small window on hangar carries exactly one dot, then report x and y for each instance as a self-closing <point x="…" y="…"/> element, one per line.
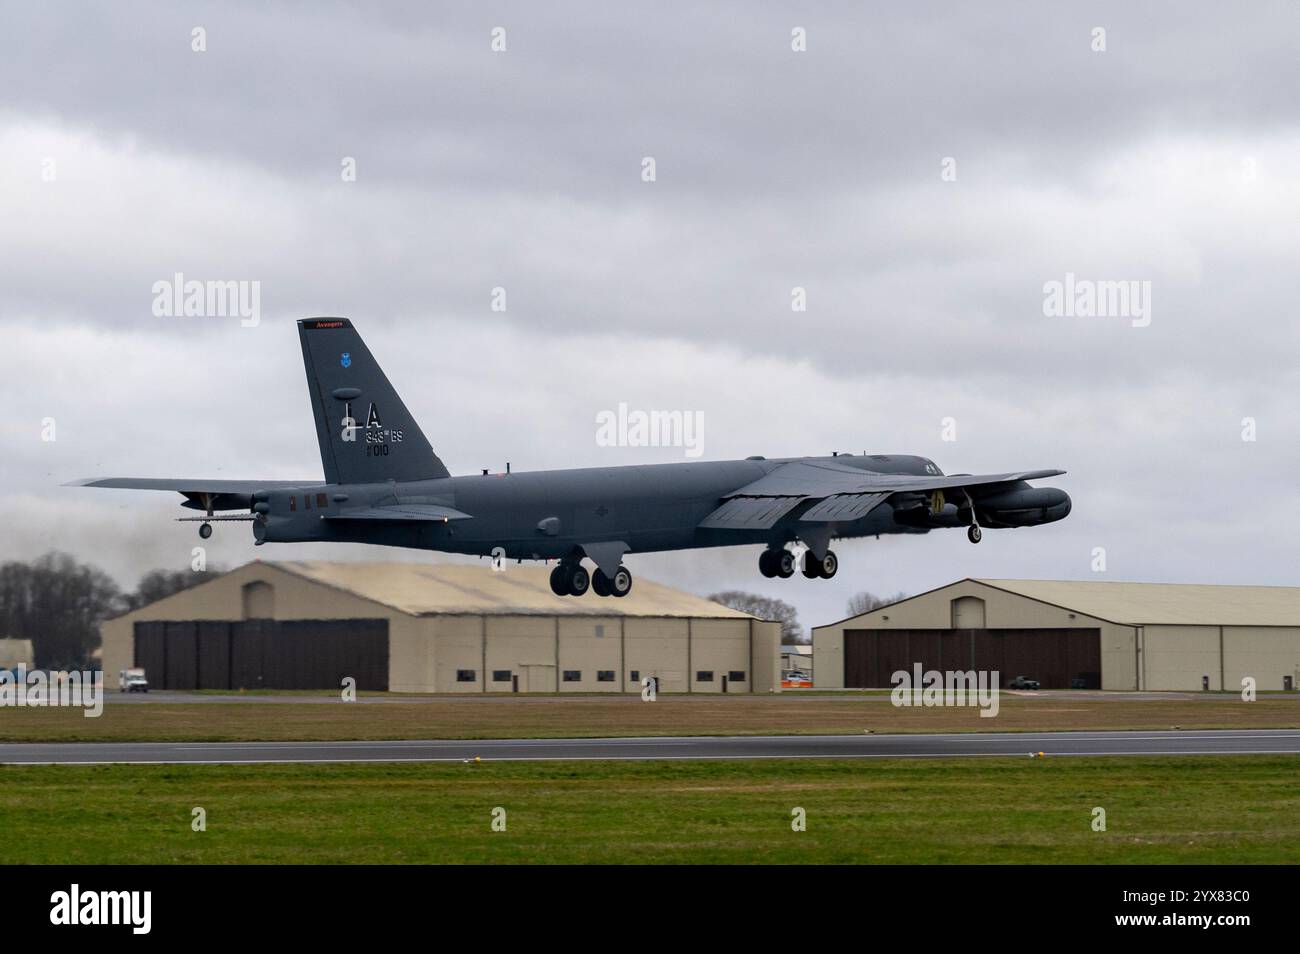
<point x="968" y="613"/>
<point x="259" y="600"/>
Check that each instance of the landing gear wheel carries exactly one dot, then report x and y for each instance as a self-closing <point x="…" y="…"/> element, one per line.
<point x="560" y="580"/>
<point x="579" y="580"/>
<point x="621" y="583"/>
<point x="785" y="564"/>
<point x="812" y="567"/>
<point x="974" y="534"/>
<point x="767" y="563"/>
<point x="600" y="583"/>
<point x="830" y="565"/>
<point x="205" y="530"/>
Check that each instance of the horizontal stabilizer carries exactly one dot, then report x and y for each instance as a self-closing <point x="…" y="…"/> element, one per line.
<point x="200" y="493"/>
<point x="189" y="486"/>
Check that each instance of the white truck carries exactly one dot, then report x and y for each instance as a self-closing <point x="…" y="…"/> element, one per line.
<point x="132" y="680"/>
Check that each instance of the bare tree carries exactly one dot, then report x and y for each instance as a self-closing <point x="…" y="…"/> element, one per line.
<point x="865" y="602"/>
<point x="58" y="604"/>
<point x="765" y="607"/>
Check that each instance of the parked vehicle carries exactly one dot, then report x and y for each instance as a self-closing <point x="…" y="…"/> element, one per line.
<point x="1024" y="682"/>
<point x="132" y="680"/>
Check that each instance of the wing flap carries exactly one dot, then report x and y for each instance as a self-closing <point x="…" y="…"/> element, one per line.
<point x="843" y="507"/>
<point x="750" y="513"/>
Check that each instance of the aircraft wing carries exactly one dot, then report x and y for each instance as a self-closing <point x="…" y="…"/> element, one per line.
<point x="425" y="513"/>
<point x="845" y="493"/>
<point x="220" y="494"/>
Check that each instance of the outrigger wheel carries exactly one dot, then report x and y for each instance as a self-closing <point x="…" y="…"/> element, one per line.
<point x="205" y="530"/>
<point x="973" y="533"/>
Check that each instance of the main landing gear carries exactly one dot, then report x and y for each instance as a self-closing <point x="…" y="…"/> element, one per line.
<point x="773" y="563"/>
<point x="572" y="579"/>
<point x="782" y="563"/>
<point x="824" y="569"/>
<point x="620" y="584"/>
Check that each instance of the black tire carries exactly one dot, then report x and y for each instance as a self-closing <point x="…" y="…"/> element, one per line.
<point x="812" y="567"/>
<point x="974" y="534"/>
<point x="785" y="564"/>
<point x="830" y="565"/>
<point x="621" y="584"/>
<point x="767" y="563"/>
<point x="600" y="584"/>
<point x="579" y="580"/>
<point x="559" y="581"/>
<point x="205" y="530"/>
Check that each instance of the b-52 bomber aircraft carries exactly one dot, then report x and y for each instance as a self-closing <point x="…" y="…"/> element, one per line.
<point x="384" y="484"/>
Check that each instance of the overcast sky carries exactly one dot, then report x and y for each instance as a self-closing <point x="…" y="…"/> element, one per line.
<point x="1170" y="157"/>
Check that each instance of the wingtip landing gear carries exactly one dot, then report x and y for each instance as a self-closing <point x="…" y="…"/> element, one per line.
<point x="205" y="530"/>
<point x="973" y="533"/>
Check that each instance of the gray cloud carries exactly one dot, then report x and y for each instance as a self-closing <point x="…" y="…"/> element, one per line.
<point x="1170" y="158"/>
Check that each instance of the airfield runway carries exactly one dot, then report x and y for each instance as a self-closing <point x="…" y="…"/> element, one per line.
<point x="956" y="745"/>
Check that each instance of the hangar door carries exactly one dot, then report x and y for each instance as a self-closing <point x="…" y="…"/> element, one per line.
<point x="263" y="653"/>
<point x="1055" y="657"/>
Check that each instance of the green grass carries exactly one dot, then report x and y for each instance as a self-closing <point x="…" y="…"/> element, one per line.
<point x="1200" y="810"/>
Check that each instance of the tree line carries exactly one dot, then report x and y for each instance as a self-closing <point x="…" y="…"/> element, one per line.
<point x="58" y="603"/>
<point x="792" y="631"/>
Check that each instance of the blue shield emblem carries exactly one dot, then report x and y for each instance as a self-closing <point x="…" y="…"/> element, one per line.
<point x="346" y="359"/>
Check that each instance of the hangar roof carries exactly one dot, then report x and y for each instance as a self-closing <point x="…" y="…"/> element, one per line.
<point x="422" y="589"/>
<point x="1189" y="604"/>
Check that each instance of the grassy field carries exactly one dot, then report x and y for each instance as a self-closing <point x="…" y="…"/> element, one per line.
<point x="587" y="716"/>
<point x="1203" y="810"/>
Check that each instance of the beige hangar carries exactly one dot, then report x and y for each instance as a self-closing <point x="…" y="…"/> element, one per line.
<point x="1096" y="635"/>
<point x="410" y="627"/>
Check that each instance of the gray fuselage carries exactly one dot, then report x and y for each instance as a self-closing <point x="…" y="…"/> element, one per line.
<point x="547" y="514"/>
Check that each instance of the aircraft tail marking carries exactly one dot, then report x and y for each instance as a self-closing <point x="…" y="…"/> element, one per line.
<point x="366" y="434"/>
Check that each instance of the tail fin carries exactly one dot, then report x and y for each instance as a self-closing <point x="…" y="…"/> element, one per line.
<point x="366" y="433"/>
